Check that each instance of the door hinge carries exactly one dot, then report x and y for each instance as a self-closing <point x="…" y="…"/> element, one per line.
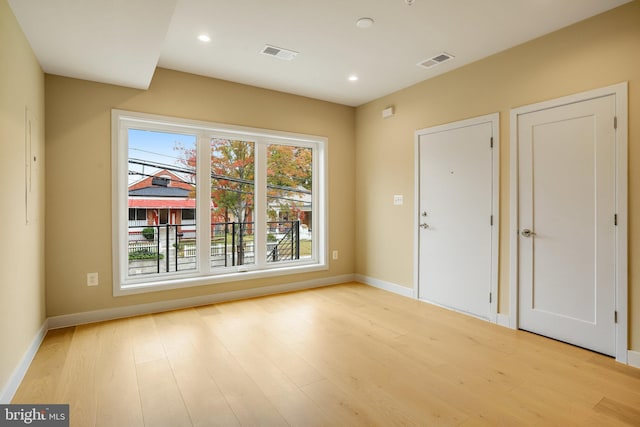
<point x="491" y="220"/>
<point x="615" y="122"/>
<point x="490" y="297"/>
<point x="491" y="143"/>
<point x="615" y="317"/>
<point x="615" y="219"/>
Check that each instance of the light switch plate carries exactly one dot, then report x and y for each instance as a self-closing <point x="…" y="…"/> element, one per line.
<point x="92" y="279"/>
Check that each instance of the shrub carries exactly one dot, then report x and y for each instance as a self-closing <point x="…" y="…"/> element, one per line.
<point x="148" y="233"/>
<point x="144" y="253"/>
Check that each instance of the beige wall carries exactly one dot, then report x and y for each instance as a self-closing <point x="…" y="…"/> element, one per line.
<point x="601" y="51"/>
<point x="22" y="293"/>
<point x="78" y="228"/>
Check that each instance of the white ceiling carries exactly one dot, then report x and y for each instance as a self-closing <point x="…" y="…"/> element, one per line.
<point x="122" y="41"/>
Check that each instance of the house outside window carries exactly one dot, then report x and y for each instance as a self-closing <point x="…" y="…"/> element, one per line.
<point x="188" y="215"/>
<point x="202" y="203"/>
<point x="137" y="216"/>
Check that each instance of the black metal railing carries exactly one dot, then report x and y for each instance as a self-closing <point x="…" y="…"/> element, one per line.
<point x="232" y="244"/>
<point x="166" y="248"/>
<point x="288" y="246"/>
<point x="157" y="249"/>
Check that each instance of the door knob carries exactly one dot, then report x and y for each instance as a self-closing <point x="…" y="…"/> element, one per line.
<point x="527" y="233"/>
<point x="424" y="225"/>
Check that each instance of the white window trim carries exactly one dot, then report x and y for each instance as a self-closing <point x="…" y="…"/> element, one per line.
<point x="122" y="120"/>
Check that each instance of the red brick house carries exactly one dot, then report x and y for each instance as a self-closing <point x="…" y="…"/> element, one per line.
<point x="162" y="199"/>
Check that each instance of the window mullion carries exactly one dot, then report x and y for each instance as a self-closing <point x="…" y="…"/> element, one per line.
<point x="203" y="202"/>
<point x="260" y="205"/>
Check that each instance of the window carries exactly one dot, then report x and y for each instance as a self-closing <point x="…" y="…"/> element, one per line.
<point x="188" y="215"/>
<point x="201" y="203"/>
<point x="137" y="214"/>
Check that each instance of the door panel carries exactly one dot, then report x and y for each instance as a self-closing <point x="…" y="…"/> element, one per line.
<point x="455" y="251"/>
<point x="566" y="188"/>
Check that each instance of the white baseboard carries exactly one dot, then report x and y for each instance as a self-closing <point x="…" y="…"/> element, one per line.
<point x="500" y="319"/>
<point x="387" y="286"/>
<point x="10" y="388"/>
<point x="633" y="358"/>
<point x="74" y="319"/>
<point x="504" y="320"/>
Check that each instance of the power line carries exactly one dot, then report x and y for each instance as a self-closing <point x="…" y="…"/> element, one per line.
<point x="232" y="190"/>
<point x="154" y="153"/>
<point x="191" y="171"/>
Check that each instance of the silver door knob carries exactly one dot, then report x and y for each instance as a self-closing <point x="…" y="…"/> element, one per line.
<point x="424" y="225"/>
<point x="527" y="233"/>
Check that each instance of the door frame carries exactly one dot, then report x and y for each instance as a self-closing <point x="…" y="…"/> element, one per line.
<point x="494" y="120"/>
<point x="621" y="231"/>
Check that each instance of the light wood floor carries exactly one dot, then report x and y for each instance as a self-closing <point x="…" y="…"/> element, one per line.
<point x="337" y="356"/>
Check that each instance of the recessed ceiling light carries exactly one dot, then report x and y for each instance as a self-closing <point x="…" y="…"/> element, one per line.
<point x="364" y="23"/>
<point x="353" y="78"/>
<point x="204" y="38"/>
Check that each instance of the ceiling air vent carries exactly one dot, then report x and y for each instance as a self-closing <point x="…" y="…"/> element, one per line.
<point x="435" y="60"/>
<point x="278" y="52"/>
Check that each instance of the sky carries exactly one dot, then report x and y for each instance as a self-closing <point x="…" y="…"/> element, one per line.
<point x="158" y="147"/>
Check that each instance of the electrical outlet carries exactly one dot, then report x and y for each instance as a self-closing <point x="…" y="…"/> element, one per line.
<point x="92" y="279"/>
<point x="398" y="199"/>
<point x="334" y="255"/>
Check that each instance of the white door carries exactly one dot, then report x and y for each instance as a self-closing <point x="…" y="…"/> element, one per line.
<point x="567" y="224"/>
<point x="456" y="190"/>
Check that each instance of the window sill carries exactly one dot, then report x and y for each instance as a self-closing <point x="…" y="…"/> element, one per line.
<point x="157" y="284"/>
